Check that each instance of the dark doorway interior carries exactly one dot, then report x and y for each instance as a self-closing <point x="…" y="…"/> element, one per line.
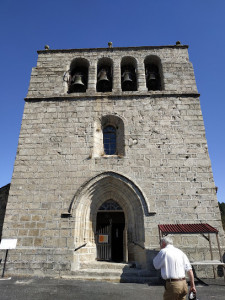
<point x="112" y="225"/>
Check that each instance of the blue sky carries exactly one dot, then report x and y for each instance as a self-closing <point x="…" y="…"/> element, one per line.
<point x="27" y="26"/>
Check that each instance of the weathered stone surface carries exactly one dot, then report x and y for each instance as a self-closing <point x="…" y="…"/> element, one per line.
<point x="163" y="174"/>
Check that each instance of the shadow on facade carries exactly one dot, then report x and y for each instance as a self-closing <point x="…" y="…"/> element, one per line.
<point x="4" y="193"/>
<point x="134" y="273"/>
<point x="221" y="269"/>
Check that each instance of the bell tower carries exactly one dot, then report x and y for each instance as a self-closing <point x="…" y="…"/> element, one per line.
<point x="112" y="144"/>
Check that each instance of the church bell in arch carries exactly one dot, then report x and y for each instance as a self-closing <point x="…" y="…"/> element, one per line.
<point x="77" y="82"/>
<point x="128" y="79"/>
<point x="104" y="81"/>
<point x="152" y="78"/>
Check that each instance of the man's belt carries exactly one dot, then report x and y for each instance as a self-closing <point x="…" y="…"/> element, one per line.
<point x="175" y="279"/>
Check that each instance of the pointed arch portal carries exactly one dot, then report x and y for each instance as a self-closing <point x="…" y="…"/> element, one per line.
<point x="127" y="223"/>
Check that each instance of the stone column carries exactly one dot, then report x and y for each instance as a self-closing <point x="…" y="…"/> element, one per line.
<point x="116" y="76"/>
<point x="92" y="77"/>
<point x="141" y="82"/>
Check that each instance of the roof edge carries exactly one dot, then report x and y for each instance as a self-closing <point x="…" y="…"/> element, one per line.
<point x="187" y="228"/>
<point x="110" y="49"/>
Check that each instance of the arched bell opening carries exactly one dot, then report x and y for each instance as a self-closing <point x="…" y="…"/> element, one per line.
<point x="153" y="73"/>
<point x="78" y="80"/>
<point x="104" y="75"/>
<point x="128" y="74"/>
<point x="110" y="232"/>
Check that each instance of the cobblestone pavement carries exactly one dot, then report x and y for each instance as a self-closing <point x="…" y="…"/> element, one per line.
<point x="50" y="288"/>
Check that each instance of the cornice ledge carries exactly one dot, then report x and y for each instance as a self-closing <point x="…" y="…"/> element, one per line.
<point x="110" y="96"/>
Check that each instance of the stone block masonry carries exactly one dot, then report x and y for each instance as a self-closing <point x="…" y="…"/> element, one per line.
<point x="162" y="176"/>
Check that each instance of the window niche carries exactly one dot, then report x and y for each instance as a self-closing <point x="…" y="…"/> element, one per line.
<point x="109" y="137"/>
<point x="153" y="73"/>
<point x="104" y="75"/>
<point x="78" y="79"/>
<point x="128" y="74"/>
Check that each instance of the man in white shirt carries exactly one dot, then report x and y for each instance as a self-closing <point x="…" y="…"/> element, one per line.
<point x="173" y="264"/>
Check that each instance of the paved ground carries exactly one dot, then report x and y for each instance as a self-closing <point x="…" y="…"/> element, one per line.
<point x="49" y="289"/>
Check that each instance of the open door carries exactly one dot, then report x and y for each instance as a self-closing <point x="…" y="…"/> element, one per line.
<point x="110" y="236"/>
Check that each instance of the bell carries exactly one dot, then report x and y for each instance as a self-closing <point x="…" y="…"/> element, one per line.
<point x="152" y="76"/>
<point x="102" y="75"/>
<point x="77" y="84"/>
<point x="153" y="82"/>
<point x="77" y="80"/>
<point x="127" y="82"/>
<point x="127" y="77"/>
<point x="104" y="84"/>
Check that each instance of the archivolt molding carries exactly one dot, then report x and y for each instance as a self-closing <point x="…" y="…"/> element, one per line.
<point x="89" y="188"/>
<point x="94" y="192"/>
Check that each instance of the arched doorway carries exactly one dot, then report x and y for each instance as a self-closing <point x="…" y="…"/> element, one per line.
<point x="110" y="232"/>
<point x="88" y="217"/>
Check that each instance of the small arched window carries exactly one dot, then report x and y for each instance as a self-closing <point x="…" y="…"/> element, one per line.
<point x="109" y="140"/>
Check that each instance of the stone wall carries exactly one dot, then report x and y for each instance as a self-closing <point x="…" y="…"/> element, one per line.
<point x="165" y="161"/>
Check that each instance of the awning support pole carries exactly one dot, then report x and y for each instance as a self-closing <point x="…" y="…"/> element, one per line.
<point x="221" y="257"/>
<point x="3" y="271"/>
<point x="210" y="246"/>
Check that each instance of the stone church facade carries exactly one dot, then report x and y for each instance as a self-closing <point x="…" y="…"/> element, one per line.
<point x="112" y="144"/>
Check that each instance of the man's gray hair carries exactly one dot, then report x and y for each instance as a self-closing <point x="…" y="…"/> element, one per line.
<point x="167" y="240"/>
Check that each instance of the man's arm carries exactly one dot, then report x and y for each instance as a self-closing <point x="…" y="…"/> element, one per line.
<point x="158" y="260"/>
<point x="192" y="282"/>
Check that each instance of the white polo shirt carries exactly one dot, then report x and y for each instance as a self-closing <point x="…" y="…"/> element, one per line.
<point x="172" y="262"/>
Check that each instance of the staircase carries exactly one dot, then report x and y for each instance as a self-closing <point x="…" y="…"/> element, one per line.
<point x="113" y="272"/>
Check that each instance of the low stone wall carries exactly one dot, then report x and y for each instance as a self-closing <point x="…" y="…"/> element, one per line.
<point x="37" y="262"/>
<point x="4" y="193"/>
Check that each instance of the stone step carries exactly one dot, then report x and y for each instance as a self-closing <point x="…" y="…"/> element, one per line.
<point x="105" y="272"/>
<point x="114" y="272"/>
<point x="104" y="265"/>
<point x="110" y="276"/>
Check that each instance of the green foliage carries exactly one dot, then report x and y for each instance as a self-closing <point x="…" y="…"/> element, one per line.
<point x="222" y="211"/>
